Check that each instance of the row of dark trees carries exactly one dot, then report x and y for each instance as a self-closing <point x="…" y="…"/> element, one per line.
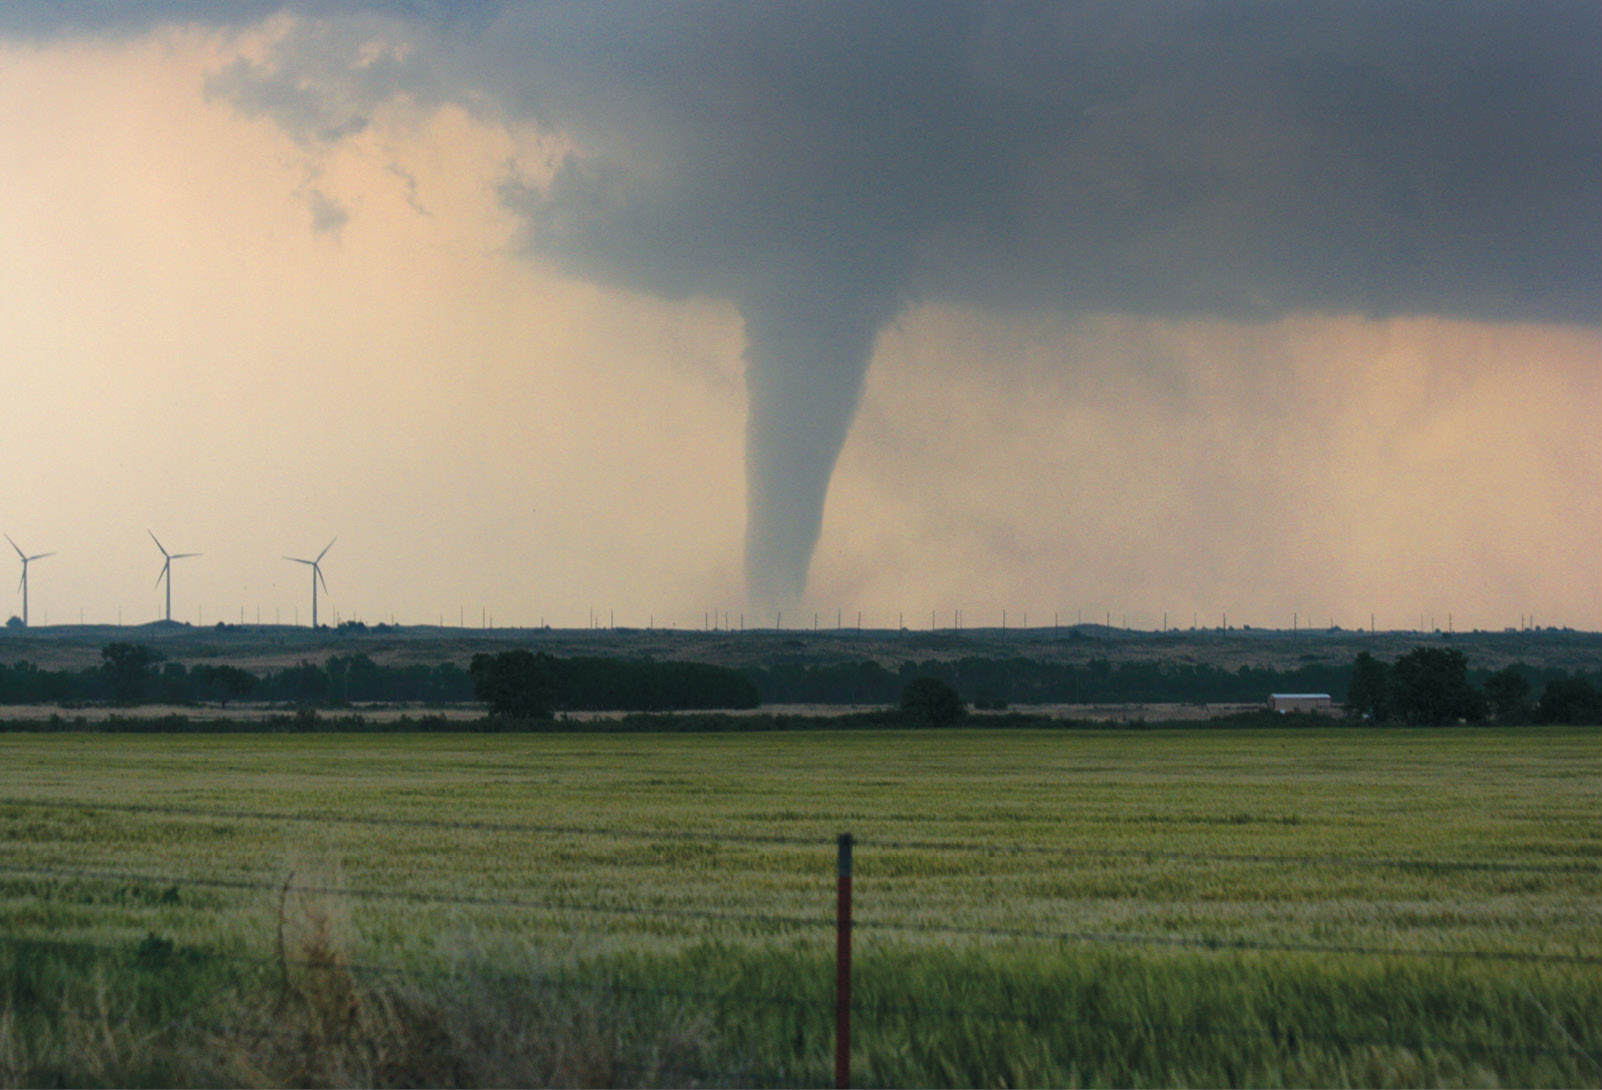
<point x="526" y="685"/>
<point x="127" y="673"/>
<point x="535" y="684"/>
<point x="1427" y="685"/>
<point x="523" y="685"/>
<point x="1003" y="682"/>
<point x="1432" y="686"/>
<point x="131" y="673"/>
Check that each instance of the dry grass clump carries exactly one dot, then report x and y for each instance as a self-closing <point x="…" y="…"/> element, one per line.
<point x="331" y="1023"/>
<point x="337" y="1029"/>
<point x="312" y="1018"/>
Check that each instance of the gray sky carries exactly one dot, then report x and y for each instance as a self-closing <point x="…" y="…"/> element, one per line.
<point x="1334" y="241"/>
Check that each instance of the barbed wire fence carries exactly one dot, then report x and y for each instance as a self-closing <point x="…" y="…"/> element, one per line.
<point x="848" y="1009"/>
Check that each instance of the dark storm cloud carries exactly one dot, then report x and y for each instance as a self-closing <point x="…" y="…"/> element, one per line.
<point x="1219" y="159"/>
<point x="1250" y="160"/>
<point x="823" y="164"/>
<point x="1235" y="158"/>
<point x="49" y="19"/>
<point x="54" y="19"/>
<point x="323" y="80"/>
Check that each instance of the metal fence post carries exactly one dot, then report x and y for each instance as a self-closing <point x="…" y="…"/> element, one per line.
<point x="842" y="971"/>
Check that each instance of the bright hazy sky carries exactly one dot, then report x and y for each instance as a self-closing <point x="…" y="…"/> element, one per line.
<point x="531" y="305"/>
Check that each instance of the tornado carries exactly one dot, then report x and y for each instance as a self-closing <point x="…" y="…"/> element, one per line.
<point x="807" y="355"/>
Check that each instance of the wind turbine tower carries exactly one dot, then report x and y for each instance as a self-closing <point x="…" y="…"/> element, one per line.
<point x="317" y="574"/>
<point x="166" y="568"/>
<point x="26" y="560"/>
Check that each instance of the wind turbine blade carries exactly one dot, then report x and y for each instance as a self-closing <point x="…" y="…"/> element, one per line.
<point x="41" y="556"/>
<point x="319" y="572"/>
<point x="330" y="545"/>
<point x="184" y="556"/>
<point x="157" y="540"/>
<point x="298" y="560"/>
<point x="166" y="570"/>
<point x="17" y="547"/>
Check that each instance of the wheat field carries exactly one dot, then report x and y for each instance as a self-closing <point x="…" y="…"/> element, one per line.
<point x="1308" y="906"/>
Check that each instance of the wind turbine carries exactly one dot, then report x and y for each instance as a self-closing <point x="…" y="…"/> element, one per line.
<point x="26" y="560"/>
<point x="317" y="574"/>
<point x="166" y="569"/>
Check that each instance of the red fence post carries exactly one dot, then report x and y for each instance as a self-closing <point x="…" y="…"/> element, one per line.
<point x="842" y="970"/>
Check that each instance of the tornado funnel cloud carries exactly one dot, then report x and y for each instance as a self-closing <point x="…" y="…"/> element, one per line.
<point x="806" y="358"/>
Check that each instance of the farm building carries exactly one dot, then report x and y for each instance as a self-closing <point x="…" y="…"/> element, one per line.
<point x="1318" y="703"/>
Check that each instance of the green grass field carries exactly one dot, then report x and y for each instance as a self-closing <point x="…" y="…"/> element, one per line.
<point x="1312" y="906"/>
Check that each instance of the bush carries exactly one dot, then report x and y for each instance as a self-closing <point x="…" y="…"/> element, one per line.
<point x="1508" y="693"/>
<point x="1430" y="687"/>
<point x="518" y="684"/>
<point x="1571" y="700"/>
<point x="930" y="702"/>
<point x="126" y="667"/>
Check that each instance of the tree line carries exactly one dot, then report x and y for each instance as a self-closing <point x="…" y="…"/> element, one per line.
<point x="527" y="685"/>
<point x="1430" y="686"/>
<point x="1427" y="685"/>
<point x="133" y="674"/>
<point x="996" y="683"/>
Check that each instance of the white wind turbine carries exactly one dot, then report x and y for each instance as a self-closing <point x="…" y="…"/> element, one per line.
<point x="26" y="560"/>
<point x="317" y="574"/>
<point x="166" y="568"/>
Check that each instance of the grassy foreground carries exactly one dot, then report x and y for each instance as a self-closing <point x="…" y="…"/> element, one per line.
<point x="1311" y="907"/>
